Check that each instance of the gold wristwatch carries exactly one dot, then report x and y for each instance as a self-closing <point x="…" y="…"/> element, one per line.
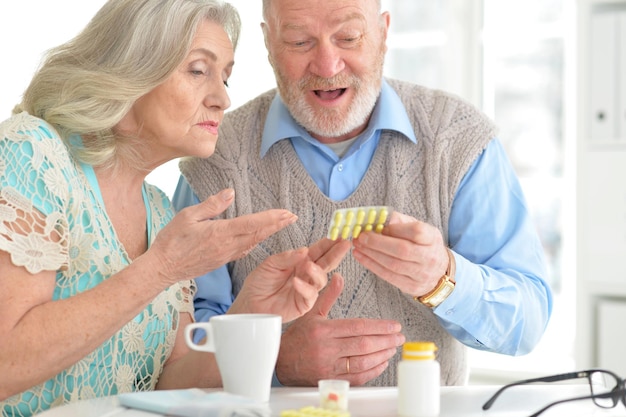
<point x="444" y="287"/>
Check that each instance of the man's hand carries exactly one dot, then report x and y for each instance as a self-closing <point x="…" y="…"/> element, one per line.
<point x="288" y="283"/>
<point x="409" y="254"/>
<point x="315" y="348"/>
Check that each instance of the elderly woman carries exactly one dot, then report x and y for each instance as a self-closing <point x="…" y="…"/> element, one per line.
<point x="95" y="280"/>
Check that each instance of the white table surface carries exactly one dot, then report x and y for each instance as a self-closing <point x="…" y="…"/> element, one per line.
<point x="381" y="402"/>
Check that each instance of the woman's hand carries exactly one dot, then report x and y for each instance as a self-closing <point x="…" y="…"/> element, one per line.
<point x="288" y="283"/>
<point x="193" y="244"/>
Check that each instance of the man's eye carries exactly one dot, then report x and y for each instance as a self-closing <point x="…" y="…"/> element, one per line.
<point x="351" y="39"/>
<point x="299" y="44"/>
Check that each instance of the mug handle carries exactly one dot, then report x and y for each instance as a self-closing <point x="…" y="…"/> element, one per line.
<point x="208" y="345"/>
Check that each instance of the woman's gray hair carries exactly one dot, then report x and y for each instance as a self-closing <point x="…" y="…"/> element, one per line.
<point x="87" y="85"/>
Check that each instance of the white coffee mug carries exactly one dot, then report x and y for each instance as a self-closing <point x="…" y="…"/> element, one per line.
<point x="246" y="349"/>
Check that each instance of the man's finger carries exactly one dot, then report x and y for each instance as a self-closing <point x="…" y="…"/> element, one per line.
<point x="329" y="296"/>
<point x="319" y="248"/>
<point x="329" y="255"/>
<point x="285" y="260"/>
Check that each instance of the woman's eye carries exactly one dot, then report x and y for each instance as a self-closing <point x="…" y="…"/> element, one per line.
<point x="197" y="72"/>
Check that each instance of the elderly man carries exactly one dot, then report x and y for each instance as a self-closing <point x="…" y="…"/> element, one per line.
<point x="459" y="264"/>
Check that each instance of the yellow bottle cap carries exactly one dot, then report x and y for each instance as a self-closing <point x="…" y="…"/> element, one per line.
<point x="418" y="350"/>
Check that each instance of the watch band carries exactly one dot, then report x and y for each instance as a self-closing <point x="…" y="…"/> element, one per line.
<point x="444" y="287"/>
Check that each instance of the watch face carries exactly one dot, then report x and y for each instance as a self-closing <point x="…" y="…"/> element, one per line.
<point x="442" y="292"/>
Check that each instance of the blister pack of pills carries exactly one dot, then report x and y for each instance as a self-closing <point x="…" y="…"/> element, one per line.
<point x="314" y="412"/>
<point x="350" y="222"/>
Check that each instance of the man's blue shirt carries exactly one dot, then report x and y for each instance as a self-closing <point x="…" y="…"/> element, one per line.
<point x="498" y="253"/>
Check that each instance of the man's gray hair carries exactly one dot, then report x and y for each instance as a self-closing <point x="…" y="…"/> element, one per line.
<point x="266" y="7"/>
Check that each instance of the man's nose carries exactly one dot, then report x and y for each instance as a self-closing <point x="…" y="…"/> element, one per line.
<point x="327" y="60"/>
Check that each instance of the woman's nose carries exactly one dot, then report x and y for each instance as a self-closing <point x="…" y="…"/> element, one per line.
<point x="217" y="96"/>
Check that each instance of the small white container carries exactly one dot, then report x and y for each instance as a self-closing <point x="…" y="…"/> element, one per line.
<point x="418" y="381"/>
<point x="334" y="394"/>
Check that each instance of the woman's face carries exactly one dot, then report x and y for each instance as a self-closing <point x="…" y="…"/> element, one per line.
<point x="181" y="116"/>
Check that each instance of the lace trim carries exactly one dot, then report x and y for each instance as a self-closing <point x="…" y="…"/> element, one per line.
<point x="50" y="222"/>
<point x="35" y="241"/>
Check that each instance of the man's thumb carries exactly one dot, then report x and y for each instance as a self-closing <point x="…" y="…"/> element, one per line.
<point x="329" y="296"/>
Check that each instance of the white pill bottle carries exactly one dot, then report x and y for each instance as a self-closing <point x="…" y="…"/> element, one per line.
<point x="418" y="381"/>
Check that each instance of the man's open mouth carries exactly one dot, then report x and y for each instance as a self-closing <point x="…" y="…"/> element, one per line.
<point x="330" y="94"/>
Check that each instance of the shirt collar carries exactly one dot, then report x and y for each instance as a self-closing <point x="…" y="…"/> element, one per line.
<point x="389" y="114"/>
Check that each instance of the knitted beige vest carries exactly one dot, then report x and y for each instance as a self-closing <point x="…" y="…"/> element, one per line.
<point x="416" y="179"/>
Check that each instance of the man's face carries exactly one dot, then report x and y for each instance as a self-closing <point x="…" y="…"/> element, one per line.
<point x="328" y="59"/>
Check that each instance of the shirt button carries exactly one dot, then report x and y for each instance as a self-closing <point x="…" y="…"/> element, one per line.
<point x="449" y="312"/>
<point x="340" y="167"/>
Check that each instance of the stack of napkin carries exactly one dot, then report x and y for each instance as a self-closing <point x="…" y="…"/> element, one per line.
<point x="195" y="403"/>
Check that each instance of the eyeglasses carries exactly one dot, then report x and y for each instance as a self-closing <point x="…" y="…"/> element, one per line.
<point x="607" y="389"/>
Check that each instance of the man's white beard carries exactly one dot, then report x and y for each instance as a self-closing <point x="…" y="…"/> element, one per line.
<point x="327" y="122"/>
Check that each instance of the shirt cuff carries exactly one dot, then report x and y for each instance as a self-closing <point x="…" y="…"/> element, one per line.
<point x="275" y="381"/>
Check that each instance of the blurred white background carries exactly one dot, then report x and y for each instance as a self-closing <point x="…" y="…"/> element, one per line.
<point x="512" y="58"/>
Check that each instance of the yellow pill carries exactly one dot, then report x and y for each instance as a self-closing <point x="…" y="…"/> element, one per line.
<point x="379" y="228"/>
<point x="338" y="217"/>
<point x="357" y="231"/>
<point x="383" y="216"/>
<point x="349" y="217"/>
<point x="345" y="232"/>
<point x="360" y="216"/>
<point x="371" y="216"/>
<point x="334" y="233"/>
<point x="368" y="227"/>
